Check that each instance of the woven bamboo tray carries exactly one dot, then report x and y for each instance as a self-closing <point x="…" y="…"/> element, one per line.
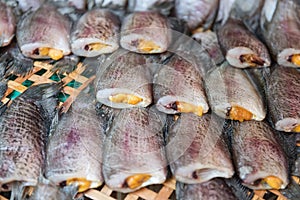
<point x="75" y="82"/>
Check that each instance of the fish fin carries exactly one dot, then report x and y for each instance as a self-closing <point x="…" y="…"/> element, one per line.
<point x="65" y="65"/>
<point x="3" y="87"/>
<point x="107" y="114"/>
<point x="17" y="191"/>
<point x="239" y="190"/>
<point x="179" y="190"/>
<point x="228" y="133"/>
<point x="3" y="107"/>
<point x="292" y="191"/>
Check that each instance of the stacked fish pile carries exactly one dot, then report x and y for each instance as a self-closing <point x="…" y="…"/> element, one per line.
<point x="205" y="91"/>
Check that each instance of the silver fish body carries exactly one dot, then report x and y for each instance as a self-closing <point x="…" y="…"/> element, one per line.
<point x="145" y="32"/>
<point x="95" y="33"/>
<point x="197" y="13"/>
<point x="233" y="95"/>
<point x="269" y="169"/>
<point x="74" y="150"/>
<point x="23" y="131"/>
<point x="198" y="153"/>
<point x="283" y="98"/>
<point x="26" y="5"/>
<point x="44" y="33"/>
<point x="178" y="87"/>
<point x="210" y="190"/>
<point x="114" y="85"/>
<point x="241" y="47"/>
<point x="162" y="6"/>
<point x="134" y="154"/>
<point x="280" y="27"/>
<point x="7" y="24"/>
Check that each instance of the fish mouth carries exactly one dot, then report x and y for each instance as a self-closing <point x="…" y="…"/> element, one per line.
<point x="252" y="60"/>
<point x="295" y="59"/>
<point x="54" y="54"/>
<point x="184" y="107"/>
<point x="239" y="113"/>
<point x="146" y="46"/>
<point x="95" y="46"/>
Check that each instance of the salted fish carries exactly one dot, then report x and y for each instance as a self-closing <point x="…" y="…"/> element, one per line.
<point x="197" y="12"/>
<point x="95" y="33"/>
<point x="283" y="88"/>
<point x="114" y="85"/>
<point x="210" y="190"/>
<point x="44" y="33"/>
<point x="74" y="150"/>
<point x="78" y="4"/>
<point x="232" y="95"/>
<point x="196" y="150"/>
<point x="241" y="47"/>
<point x="134" y="154"/>
<point x="162" y="6"/>
<point x="7" y="24"/>
<point x="23" y="131"/>
<point x="26" y="5"/>
<point x="281" y="30"/>
<point x="258" y="156"/>
<point x="178" y="87"/>
<point x="145" y="32"/>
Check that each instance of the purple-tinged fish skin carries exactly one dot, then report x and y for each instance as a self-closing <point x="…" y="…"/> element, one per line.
<point x="283" y="87"/>
<point x="210" y="190"/>
<point x="201" y="153"/>
<point x="96" y="32"/>
<point x="145" y="32"/>
<point x="197" y="12"/>
<point x="74" y="150"/>
<point x="23" y="131"/>
<point x="44" y="33"/>
<point x="232" y="95"/>
<point x="281" y="31"/>
<point x="258" y="156"/>
<point x="209" y="41"/>
<point x="7" y="24"/>
<point x="134" y="155"/>
<point x="178" y="83"/>
<point x="241" y="48"/>
<point x="162" y="6"/>
<point x="114" y="85"/>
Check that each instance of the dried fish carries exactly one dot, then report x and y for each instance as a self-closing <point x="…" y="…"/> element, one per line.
<point x="145" y="32"/>
<point x="74" y="150"/>
<point x="26" y="5"/>
<point x="78" y="4"/>
<point x="162" y="6"/>
<point x="178" y="87"/>
<point x="232" y="95"/>
<point x="23" y="131"/>
<point x="114" y="84"/>
<point x="269" y="170"/>
<point x="96" y="32"/>
<point x="52" y="38"/>
<point x="134" y="154"/>
<point x="210" y="190"/>
<point x="241" y="48"/>
<point x="283" y="95"/>
<point x="280" y="28"/>
<point x="197" y="12"/>
<point x="7" y="24"/>
<point x="196" y="150"/>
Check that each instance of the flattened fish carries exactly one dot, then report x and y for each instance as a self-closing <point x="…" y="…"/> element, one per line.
<point x="7" y="24"/>
<point x="134" y="154"/>
<point x="95" y="33"/>
<point x="197" y="12"/>
<point x="114" y="85"/>
<point x="23" y="130"/>
<point x="232" y="95"/>
<point x="196" y="150"/>
<point x="145" y="32"/>
<point x="241" y="48"/>
<point x="178" y="87"/>
<point x="281" y="30"/>
<point x="210" y="190"/>
<point x="74" y="150"/>
<point x="259" y="158"/>
<point x="162" y="6"/>
<point x="283" y="96"/>
<point x="44" y="33"/>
